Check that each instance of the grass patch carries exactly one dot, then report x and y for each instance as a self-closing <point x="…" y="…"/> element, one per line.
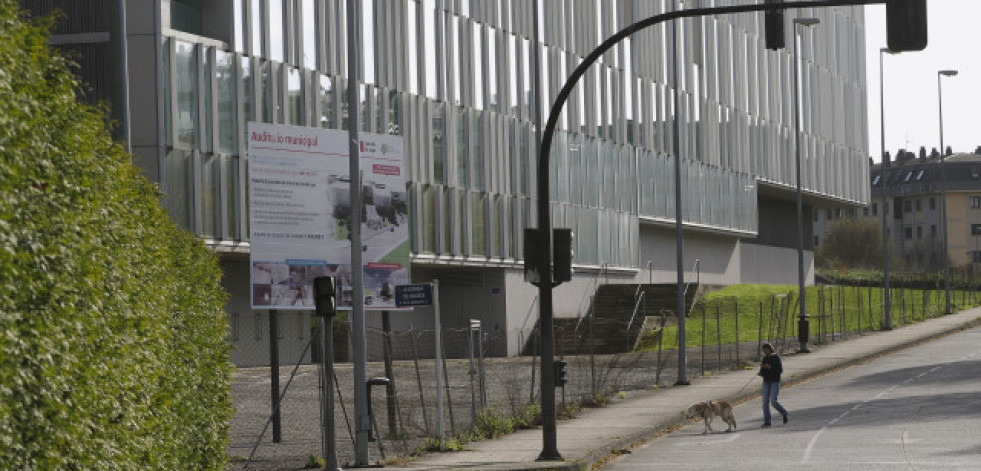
<point x="751" y="313"/>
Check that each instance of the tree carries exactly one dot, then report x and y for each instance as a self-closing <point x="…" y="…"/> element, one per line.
<point x="856" y="243"/>
<point x="113" y="350"/>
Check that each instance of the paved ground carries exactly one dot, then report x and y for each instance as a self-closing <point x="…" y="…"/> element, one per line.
<point x="915" y="409"/>
<point x="591" y="437"/>
<point x="598" y="433"/>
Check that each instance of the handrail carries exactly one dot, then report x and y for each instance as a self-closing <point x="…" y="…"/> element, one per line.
<point x="636" y="307"/>
<point x="697" y="276"/>
<point x="639" y="295"/>
<point x="592" y="297"/>
<point x="531" y="310"/>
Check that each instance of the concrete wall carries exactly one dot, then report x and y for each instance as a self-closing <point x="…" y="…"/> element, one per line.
<point x="717" y="255"/>
<point x="774" y="265"/>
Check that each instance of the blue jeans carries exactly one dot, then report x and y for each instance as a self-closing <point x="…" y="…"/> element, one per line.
<point x="770" y="392"/>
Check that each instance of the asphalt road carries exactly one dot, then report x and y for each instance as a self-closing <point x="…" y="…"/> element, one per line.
<point x="919" y="409"/>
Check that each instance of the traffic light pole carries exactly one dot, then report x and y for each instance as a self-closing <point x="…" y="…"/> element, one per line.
<point x="549" y="448"/>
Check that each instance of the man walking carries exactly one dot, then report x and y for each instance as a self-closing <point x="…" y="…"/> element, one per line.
<point x="770" y="370"/>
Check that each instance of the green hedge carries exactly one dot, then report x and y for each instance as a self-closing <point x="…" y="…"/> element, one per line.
<point x="113" y="351"/>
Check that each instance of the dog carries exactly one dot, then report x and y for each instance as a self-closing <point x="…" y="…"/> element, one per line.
<point x="708" y="410"/>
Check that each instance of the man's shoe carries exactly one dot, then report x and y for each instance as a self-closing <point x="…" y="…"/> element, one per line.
<point x="786" y="417"/>
<point x="765" y="426"/>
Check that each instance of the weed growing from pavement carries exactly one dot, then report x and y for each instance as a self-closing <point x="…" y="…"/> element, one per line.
<point x="315" y="462"/>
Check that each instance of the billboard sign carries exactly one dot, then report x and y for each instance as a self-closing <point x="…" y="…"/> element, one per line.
<point x="299" y="214"/>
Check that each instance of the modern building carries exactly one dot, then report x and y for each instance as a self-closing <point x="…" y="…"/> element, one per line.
<point x="910" y="190"/>
<point x="456" y="80"/>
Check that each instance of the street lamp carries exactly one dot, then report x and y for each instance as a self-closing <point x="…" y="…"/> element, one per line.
<point x="943" y="188"/>
<point x="802" y="326"/>
<point x="887" y="302"/>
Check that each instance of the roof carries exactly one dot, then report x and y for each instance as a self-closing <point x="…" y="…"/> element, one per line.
<point x="915" y="175"/>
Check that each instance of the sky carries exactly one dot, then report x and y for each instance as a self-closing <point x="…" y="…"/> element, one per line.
<point x="911" y="92"/>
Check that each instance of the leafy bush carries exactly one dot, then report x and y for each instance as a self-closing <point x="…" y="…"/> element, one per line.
<point x="112" y="336"/>
<point x="529" y="416"/>
<point x="856" y="243"/>
<point x="491" y="423"/>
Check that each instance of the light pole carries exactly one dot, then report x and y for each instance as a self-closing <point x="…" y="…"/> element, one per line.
<point x="678" y="212"/>
<point x="887" y="303"/>
<point x="802" y="326"/>
<point x="943" y="187"/>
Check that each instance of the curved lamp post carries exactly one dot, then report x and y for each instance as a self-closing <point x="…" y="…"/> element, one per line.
<point x="802" y="330"/>
<point x="943" y="188"/>
<point x="887" y="302"/>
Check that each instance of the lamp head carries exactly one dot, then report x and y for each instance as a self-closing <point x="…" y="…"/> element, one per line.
<point x="948" y="73"/>
<point x="806" y="21"/>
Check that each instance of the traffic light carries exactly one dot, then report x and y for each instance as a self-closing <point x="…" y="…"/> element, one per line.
<point x="906" y="25"/>
<point x="562" y="255"/>
<point x="773" y="27"/>
<point x="531" y="256"/>
<point x="558" y="367"/>
<point x="323" y="296"/>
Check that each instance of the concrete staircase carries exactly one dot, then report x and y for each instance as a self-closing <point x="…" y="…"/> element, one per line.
<point x="613" y="306"/>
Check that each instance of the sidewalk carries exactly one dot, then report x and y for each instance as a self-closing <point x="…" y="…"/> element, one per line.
<point x="596" y="433"/>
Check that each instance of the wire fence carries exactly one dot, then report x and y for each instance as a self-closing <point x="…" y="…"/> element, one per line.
<point x="721" y="334"/>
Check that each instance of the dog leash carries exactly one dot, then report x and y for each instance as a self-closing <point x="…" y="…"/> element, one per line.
<point x="747" y="384"/>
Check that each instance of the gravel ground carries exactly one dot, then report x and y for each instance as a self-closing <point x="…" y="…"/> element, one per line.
<point x="508" y="387"/>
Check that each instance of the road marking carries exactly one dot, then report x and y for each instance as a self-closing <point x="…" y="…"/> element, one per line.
<point x="814" y="439"/>
<point x="810" y="444"/>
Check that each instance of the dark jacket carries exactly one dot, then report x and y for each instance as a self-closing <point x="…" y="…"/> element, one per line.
<point x="771" y="375"/>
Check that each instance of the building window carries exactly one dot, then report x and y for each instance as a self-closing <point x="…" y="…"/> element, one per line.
<point x="976" y="256"/>
<point x="907" y="206"/>
<point x="919" y="232"/>
<point x="975" y="229"/>
<point x="975" y="202"/>
<point x="875" y="181"/>
<point x="909" y="232"/>
<point x="919" y="205"/>
<point x="908" y="176"/>
<point x="933" y="203"/>
<point x="933" y="231"/>
<point x="817" y="241"/>
<point x="919" y="176"/>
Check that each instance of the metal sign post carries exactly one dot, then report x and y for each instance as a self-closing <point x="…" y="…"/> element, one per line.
<point x="426" y="294"/>
<point x="440" y="426"/>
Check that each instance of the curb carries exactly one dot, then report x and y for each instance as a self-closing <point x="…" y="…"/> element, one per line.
<point x="598" y="456"/>
<point x="594" y="457"/>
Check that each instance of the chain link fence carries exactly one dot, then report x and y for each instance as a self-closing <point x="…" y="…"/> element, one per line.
<point x="722" y="334"/>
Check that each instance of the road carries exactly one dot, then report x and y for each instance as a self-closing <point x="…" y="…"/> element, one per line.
<point x="917" y="409"/>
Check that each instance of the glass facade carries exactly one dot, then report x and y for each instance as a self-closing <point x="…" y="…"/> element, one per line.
<point x="456" y="79"/>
